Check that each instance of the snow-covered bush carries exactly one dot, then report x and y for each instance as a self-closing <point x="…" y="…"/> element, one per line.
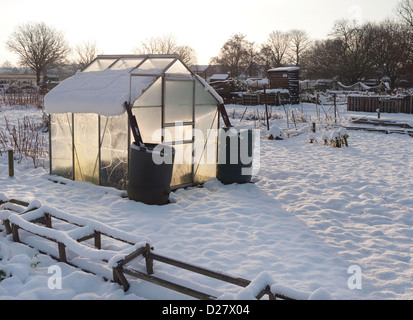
<point x="275" y="133"/>
<point x="25" y="139"/>
<point x="337" y="139"/>
<point x="312" y="137"/>
<point x="325" y="138"/>
<point x="343" y="136"/>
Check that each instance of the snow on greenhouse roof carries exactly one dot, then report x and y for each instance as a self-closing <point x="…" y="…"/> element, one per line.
<point x="103" y="92"/>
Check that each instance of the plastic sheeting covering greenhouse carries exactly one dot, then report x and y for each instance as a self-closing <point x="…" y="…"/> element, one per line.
<point x="90" y="135"/>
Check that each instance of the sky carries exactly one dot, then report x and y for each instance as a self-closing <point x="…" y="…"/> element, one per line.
<point x="118" y="27"/>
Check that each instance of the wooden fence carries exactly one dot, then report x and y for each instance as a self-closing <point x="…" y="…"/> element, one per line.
<point x="271" y="98"/>
<point x="22" y="97"/>
<point x="33" y="219"/>
<point x="389" y="104"/>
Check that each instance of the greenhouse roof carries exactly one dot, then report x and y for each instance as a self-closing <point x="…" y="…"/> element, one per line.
<point x="109" y="81"/>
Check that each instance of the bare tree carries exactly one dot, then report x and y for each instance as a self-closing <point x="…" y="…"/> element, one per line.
<point x="299" y="42"/>
<point x="274" y="50"/>
<point x="404" y="10"/>
<point x="321" y="59"/>
<point x="389" y="55"/>
<point x="85" y="53"/>
<point x="357" y="52"/>
<point x="38" y="46"/>
<point x="167" y="44"/>
<point x="187" y="54"/>
<point x="7" y="65"/>
<point x="251" y="59"/>
<point x="237" y="55"/>
<point x="231" y="54"/>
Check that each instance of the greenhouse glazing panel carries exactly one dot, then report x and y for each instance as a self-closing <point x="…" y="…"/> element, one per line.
<point x="61" y="145"/>
<point x="125" y="63"/>
<point x="178" y="68"/>
<point x="179" y="101"/>
<point x="205" y="146"/>
<point x="149" y="121"/>
<point x="151" y="97"/>
<point x="178" y="132"/>
<point x="86" y="150"/>
<point x="99" y="65"/>
<point x="153" y="65"/>
<point x="182" y="169"/>
<point x="202" y="96"/>
<point x="114" y="145"/>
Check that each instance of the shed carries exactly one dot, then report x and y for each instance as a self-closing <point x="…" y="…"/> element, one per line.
<point x="286" y="78"/>
<point x="90" y="134"/>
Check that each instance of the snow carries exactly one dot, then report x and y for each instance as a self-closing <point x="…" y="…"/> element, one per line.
<point x="311" y="213"/>
<point x="274" y="91"/>
<point x="275" y="133"/>
<point x="281" y="69"/>
<point x="103" y="92"/>
<point x="219" y="76"/>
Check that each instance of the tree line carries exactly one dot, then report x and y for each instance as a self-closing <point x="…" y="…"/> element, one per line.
<point x="352" y="52"/>
<point x="239" y="56"/>
<point x="360" y="52"/>
<point x="42" y="48"/>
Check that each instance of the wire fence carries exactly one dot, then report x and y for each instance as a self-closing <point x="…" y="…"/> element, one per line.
<point x="23" y="97"/>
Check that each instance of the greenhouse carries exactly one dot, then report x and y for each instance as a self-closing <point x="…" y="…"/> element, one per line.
<point x="90" y="135"/>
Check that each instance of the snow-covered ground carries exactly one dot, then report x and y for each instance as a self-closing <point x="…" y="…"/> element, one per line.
<point x="317" y="219"/>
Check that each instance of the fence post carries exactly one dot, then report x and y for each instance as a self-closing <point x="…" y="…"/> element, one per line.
<point x="11" y="162"/>
<point x="313" y="129"/>
<point x="266" y="109"/>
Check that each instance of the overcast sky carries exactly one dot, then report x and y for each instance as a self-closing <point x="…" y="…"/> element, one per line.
<point x="119" y="26"/>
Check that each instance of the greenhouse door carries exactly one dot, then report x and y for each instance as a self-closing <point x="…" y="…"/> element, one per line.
<point x="178" y="125"/>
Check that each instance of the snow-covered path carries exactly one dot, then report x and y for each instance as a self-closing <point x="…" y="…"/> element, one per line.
<point x="358" y="200"/>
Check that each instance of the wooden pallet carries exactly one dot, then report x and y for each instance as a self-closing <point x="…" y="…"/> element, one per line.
<point x="381" y="123"/>
<point x="38" y="220"/>
<point x="378" y="124"/>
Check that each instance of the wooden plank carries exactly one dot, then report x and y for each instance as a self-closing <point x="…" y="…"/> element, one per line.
<point x="62" y="252"/>
<point x="132" y="256"/>
<point x="6" y="224"/>
<point x="87" y="237"/>
<point x="15" y="232"/>
<point x="120" y="278"/>
<point x="98" y="240"/>
<point x="19" y="202"/>
<point x="167" y="284"/>
<point x="148" y="259"/>
<point x="216" y="275"/>
<point x="266" y="290"/>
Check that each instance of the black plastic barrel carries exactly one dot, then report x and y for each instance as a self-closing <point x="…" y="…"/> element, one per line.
<point x="233" y="168"/>
<point x="150" y="182"/>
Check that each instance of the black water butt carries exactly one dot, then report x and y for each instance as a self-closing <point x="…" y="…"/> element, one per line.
<point x="233" y="167"/>
<point x="150" y="182"/>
